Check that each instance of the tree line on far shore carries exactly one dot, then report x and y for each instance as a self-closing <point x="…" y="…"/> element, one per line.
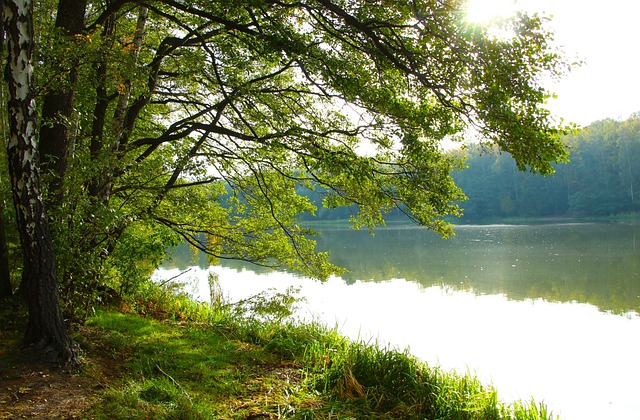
<point x="601" y="179"/>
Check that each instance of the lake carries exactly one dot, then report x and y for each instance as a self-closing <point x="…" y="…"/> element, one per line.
<point x="549" y="311"/>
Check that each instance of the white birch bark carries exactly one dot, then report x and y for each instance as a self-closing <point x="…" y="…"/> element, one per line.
<point x="46" y="332"/>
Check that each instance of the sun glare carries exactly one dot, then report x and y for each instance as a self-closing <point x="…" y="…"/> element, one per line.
<point x="483" y="11"/>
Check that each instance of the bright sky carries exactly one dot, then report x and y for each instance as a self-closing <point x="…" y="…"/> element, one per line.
<point x="606" y="36"/>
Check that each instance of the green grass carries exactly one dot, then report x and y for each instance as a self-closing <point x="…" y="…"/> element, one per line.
<point x="195" y="362"/>
<point x="186" y="370"/>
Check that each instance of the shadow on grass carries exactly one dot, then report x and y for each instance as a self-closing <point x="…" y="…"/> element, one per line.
<point x="182" y="370"/>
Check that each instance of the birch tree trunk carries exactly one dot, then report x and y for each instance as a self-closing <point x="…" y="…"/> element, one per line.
<point x="46" y="332"/>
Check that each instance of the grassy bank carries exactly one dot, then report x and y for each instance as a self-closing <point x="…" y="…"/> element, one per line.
<point x="164" y="356"/>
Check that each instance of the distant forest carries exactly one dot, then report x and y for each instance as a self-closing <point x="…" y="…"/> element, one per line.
<point x="602" y="179"/>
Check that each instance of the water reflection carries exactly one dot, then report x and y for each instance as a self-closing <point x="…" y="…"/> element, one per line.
<point x="588" y="263"/>
<point x="580" y="361"/>
<point x="488" y="300"/>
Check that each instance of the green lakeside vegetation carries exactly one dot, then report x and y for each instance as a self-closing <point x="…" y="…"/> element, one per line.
<point x="132" y="127"/>
<point x="173" y="358"/>
<point x="167" y="344"/>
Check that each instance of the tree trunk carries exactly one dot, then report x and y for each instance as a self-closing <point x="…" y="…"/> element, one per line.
<point x="102" y="185"/>
<point x="97" y="186"/>
<point x="125" y="94"/>
<point x="57" y="108"/>
<point x="46" y="331"/>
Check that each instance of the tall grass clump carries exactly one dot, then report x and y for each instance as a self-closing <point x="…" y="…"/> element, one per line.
<point x="168" y="302"/>
<point x="530" y="411"/>
<point x="388" y="381"/>
<point x="395" y="384"/>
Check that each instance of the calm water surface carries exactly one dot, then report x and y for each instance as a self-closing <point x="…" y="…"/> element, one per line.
<point x="549" y="311"/>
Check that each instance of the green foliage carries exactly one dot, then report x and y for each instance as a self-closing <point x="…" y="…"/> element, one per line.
<point x="531" y="410"/>
<point x="269" y="306"/>
<point x="203" y="120"/>
<point x="156" y="398"/>
<point x="604" y="176"/>
<point x="496" y="189"/>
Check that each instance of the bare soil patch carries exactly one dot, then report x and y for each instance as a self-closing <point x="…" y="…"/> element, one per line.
<point x="29" y="390"/>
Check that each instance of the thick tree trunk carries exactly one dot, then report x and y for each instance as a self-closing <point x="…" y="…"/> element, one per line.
<point x="57" y="108"/>
<point x="46" y="331"/>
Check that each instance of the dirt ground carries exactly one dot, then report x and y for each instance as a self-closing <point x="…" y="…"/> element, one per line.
<point x="44" y="392"/>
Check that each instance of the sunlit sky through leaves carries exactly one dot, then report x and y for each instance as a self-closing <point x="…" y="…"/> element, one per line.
<point x="605" y="36"/>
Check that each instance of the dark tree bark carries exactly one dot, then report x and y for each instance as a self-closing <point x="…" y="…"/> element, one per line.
<point x="46" y="331"/>
<point x="56" y="143"/>
<point x="98" y="186"/>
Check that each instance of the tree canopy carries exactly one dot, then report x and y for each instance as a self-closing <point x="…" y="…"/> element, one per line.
<point x="164" y="120"/>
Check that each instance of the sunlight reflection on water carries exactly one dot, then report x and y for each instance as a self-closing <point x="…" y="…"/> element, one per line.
<point x="581" y="362"/>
